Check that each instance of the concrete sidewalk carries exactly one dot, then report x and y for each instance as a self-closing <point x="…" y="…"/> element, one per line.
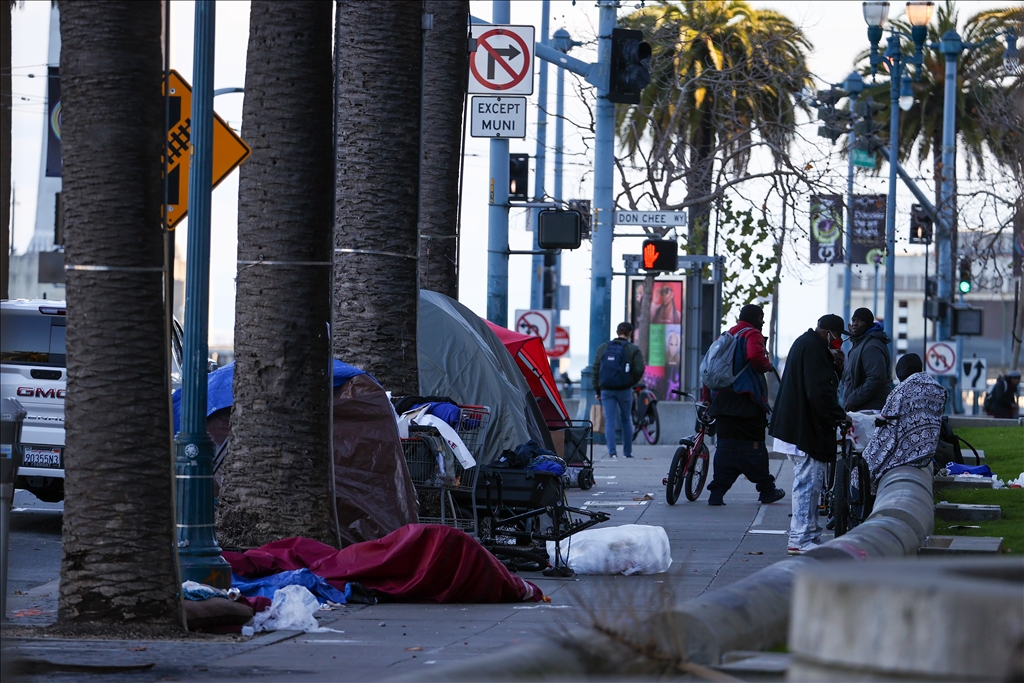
<point x="711" y="547"/>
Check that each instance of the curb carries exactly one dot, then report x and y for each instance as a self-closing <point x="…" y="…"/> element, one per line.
<point x="751" y="614"/>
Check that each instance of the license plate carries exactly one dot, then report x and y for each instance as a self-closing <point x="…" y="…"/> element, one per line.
<point x="41" y="457"/>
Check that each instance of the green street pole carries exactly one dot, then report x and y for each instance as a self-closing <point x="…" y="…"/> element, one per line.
<point x="198" y="551"/>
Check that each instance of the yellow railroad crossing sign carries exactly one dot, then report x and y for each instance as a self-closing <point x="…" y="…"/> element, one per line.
<point x="228" y="149"/>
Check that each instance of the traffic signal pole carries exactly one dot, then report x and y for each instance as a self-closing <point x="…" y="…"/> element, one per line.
<point x="950" y="46"/>
<point x="894" y="54"/>
<point x="537" y="273"/>
<point x="497" y="212"/>
<point x="604" y="162"/>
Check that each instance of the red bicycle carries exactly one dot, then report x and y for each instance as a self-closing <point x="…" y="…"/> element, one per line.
<point x="691" y="462"/>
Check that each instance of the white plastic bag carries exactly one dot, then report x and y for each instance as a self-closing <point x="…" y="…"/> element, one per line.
<point x="292" y="609"/>
<point x="627" y="549"/>
<point x="863" y="428"/>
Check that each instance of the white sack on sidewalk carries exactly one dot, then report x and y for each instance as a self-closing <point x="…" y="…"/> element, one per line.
<point x="627" y="549"/>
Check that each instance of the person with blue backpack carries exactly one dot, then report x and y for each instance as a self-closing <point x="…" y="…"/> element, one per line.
<point x="738" y="394"/>
<point x="618" y="365"/>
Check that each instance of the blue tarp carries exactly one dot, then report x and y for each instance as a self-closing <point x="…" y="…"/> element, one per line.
<point x="955" y="468"/>
<point x="266" y="585"/>
<point x="218" y="391"/>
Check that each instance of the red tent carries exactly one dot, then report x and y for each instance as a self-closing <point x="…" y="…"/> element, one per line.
<point x="533" y="362"/>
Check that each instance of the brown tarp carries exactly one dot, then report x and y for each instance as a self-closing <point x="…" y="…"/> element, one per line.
<point x="373" y="491"/>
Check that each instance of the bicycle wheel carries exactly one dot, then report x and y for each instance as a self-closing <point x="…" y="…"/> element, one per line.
<point x="676" y="474"/>
<point x="841" y="498"/>
<point x="652" y="430"/>
<point x="697" y="474"/>
<point x="862" y="501"/>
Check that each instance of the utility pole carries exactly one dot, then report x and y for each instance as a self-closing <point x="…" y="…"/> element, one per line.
<point x="497" y="213"/>
<point x="854" y="85"/>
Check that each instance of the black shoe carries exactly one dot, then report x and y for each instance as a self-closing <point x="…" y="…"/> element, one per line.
<point x="716" y="501"/>
<point x="777" y="494"/>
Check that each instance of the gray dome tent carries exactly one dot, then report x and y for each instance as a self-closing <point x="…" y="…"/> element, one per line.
<point x="460" y="357"/>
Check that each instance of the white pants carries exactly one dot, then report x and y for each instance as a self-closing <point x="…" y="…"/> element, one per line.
<point x="808" y="481"/>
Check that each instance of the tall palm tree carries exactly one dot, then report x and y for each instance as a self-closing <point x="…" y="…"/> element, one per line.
<point x="119" y="561"/>
<point x="277" y="477"/>
<point x="376" y="245"/>
<point x="724" y="79"/>
<point x="5" y="144"/>
<point x="446" y="57"/>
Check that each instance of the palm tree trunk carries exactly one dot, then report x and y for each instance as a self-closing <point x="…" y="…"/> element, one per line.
<point x="376" y="245"/>
<point x="5" y="144"/>
<point x="445" y="63"/>
<point x="119" y="561"/>
<point x="277" y="475"/>
<point x="699" y="181"/>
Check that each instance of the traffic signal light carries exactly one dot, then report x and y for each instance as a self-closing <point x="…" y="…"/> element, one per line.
<point x="518" y="176"/>
<point x="660" y="255"/>
<point x="833" y="127"/>
<point x="557" y="229"/>
<point x="867" y="128"/>
<point x="630" y="67"/>
<point x="965" y="276"/>
<point x="920" y="225"/>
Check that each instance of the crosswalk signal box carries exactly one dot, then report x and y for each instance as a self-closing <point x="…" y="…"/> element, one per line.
<point x="660" y="256"/>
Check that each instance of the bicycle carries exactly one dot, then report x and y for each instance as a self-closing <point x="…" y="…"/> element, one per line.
<point x="691" y="462"/>
<point x="848" y="505"/>
<point x="645" y="414"/>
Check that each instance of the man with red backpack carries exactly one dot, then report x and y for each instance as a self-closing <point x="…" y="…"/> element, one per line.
<point x="741" y="414"/>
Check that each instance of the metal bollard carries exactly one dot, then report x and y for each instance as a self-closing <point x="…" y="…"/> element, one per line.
<point x="12" y="414"/>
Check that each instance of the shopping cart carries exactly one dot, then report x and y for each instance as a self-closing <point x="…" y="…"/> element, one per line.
<point x="577" y="440"/>
<point x="438" y="489"/>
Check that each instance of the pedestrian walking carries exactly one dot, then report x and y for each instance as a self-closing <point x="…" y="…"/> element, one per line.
<point x="741" y="414"/>
<point x="618" y="365"/>
<point x="1001" y="399"/>
<point x="804" y="423"/>
<point x="867" y="376"/>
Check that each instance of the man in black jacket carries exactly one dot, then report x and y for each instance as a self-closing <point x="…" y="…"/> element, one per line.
<point x="867" y="377"/>
<point x="804" y="423"/>
<point x="618" y="365"/>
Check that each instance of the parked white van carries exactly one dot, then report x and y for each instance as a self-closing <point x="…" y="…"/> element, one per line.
<point x="32" y="370"/>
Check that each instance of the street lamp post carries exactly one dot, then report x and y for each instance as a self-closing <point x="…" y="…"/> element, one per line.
<point x="900" y="97"/>
<point x="853" y="85"/>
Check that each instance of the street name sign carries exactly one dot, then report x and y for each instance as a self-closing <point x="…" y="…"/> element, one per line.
<point x="228" y="149"/>
<point x="502" y="61"/>
<point x="974" y="374"/>
<point x="864" y="158"/>
<point x="498" y="117"/>
<point x="666" y="219"/>
<point x="940" y="359"/>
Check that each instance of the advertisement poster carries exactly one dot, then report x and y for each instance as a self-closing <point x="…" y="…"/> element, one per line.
<point x="664" y="357"/>
<point x="868" y="229"/>
<point x="827" y="229"/>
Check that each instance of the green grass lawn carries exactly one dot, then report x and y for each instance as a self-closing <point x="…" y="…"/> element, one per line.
<point x="1004" y="454"/>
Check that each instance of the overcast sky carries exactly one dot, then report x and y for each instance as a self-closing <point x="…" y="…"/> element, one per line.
<point x="836" y="30"/>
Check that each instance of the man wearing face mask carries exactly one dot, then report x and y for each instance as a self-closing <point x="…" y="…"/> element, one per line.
<point x="804" y="422"/>
<point x="741" y="414"/>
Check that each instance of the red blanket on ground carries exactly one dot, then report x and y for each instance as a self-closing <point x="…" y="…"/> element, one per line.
<point x="425" y="562"/>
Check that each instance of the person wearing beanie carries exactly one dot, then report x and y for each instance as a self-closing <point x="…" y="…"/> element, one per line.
<point x="618" y="365"/>
<point x="741" y="414"/>
<point x="867" y="375"/>
<point x="804" y="424"/>
<point x="1001" y="400"/>
<point x="910" y="421"/>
